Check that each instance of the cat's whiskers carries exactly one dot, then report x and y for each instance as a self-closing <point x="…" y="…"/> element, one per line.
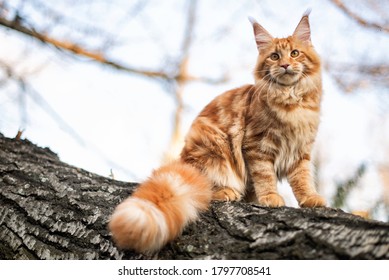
<point x="271" y="84"/>
<point x="310" y="80"/>
<point x="265" y="85"/>
<point x="260" y="71"/>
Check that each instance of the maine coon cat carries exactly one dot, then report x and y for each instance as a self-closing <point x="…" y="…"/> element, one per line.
<point x="237" y="148"/>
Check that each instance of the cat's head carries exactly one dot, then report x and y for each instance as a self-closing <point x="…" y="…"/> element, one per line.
<point x="285" y="61"/>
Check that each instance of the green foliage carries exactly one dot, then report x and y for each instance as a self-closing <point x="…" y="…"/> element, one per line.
<point x="343" y="189"/>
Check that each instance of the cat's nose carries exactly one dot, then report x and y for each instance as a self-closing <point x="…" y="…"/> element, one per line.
<point x="285" y="66"/>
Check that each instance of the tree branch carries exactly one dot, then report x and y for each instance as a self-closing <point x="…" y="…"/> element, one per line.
<point x="76" y="49"/>
<point x="50" y="210"/>
<point x="359" y="19"/>
<point x="358" y="75"/>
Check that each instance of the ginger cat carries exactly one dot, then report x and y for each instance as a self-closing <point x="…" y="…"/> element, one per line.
<point x="237" y="148"/>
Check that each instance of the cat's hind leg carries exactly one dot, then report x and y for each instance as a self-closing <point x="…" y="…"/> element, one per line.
<point x="229" y="185"/>
<point x="218" y="155"/>
<point x="226" y="194"/>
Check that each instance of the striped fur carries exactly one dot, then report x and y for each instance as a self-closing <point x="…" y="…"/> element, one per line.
<point x="160" y="208"/>
<point x="237" y="148"/>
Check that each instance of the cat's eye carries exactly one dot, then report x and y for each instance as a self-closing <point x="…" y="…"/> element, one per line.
<point x="294" y="53"/>
<point x="274" y="56"/>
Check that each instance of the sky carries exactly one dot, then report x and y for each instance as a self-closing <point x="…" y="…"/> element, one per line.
<point x="124" y="122"/>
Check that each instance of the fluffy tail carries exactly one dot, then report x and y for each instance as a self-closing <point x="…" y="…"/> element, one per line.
<point x="159" y="209"/>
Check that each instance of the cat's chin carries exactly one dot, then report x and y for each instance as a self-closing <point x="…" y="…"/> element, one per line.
<point x="287" y="80"/>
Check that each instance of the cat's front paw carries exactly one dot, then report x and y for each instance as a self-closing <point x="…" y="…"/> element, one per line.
<point x="271" y="200"/>
<point x="313" y="201"/>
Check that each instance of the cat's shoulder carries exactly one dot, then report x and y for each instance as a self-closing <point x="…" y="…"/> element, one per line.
<point x="237" y="93"/>
<point x="231" y="100"/>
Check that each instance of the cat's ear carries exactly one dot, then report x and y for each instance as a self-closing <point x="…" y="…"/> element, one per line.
<point x="303" y="30"/>
<point x="262" y="37"/>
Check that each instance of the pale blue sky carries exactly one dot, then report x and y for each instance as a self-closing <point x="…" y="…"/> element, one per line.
<point x="126" y="120"/>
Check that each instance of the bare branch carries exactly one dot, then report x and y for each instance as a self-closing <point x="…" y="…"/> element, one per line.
<point x="358" y="75"/>
<point x="79" y="50"/>
<point x="188" y="33"/>
<point x="359" y="19"/>
<point x="177" y="75"/>
<point x="54" y="17"/>
<point x="28" y="90"/>
<point x="176" y="141"/>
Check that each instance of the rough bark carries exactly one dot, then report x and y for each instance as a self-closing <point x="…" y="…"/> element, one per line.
<point x="51" y="210"/>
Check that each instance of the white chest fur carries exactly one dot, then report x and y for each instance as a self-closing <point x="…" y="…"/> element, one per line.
<point x="297" y="138"/>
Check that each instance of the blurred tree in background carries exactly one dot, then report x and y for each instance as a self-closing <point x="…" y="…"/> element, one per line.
<point x="195" y="46"/>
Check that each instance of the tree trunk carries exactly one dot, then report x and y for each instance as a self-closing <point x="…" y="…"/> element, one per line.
<point x="51" y="210"/>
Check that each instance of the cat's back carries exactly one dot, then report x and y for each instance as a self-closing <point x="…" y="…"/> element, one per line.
<point x="229" y="106"/>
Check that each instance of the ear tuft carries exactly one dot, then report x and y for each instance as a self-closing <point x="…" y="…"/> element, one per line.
<point x="303" y="30"/>
<point x="252" y="20"/>
<point x="307" y="12"/>
<point x="262" y="37"/>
